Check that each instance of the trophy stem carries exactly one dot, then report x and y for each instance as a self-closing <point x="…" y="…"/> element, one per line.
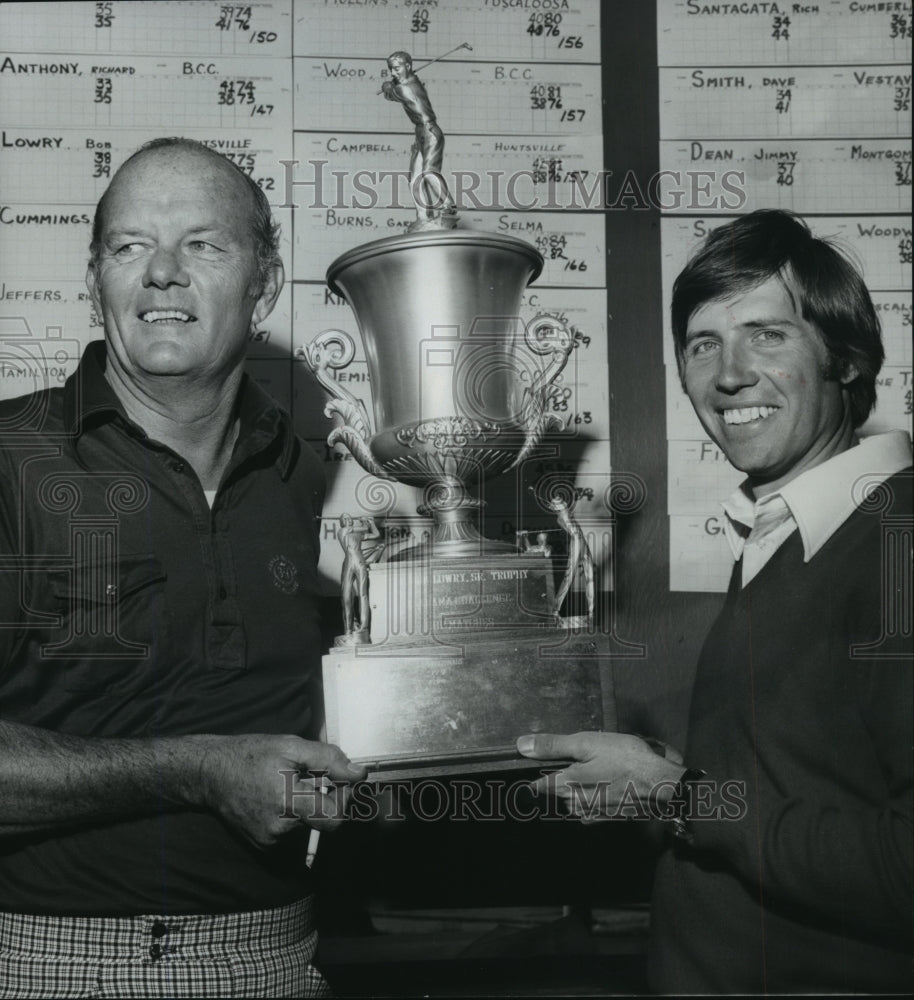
<point x="455" y="533"/>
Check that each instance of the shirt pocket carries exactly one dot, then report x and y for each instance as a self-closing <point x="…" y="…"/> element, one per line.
<point x="114" y="620"/>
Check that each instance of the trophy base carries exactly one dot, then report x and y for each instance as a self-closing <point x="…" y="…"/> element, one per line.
<point x="485" y="762"/>
<point x="457" y="708"/>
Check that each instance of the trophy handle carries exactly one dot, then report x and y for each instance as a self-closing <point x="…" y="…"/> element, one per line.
<point x="329" y="351"/>
<point x="543" y="335"/>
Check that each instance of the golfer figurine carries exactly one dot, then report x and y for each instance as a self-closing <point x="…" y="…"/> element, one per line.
<point x="434" y="205"/>
<point x="580" y="560"/>
<point x="539" y="548"/>
<point x="360" y="539"/>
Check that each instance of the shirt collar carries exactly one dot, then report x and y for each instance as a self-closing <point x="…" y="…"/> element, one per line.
<point x="263" y="421"/>
<point x="89" y="400"/>
<point x="87" y="395"/>
<point x="823" y="498"/>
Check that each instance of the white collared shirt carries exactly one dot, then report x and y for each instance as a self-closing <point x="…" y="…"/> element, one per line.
<point x="817" y="502"/>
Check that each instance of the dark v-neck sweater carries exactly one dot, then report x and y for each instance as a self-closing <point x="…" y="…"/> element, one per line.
<point x="811" y="889"/>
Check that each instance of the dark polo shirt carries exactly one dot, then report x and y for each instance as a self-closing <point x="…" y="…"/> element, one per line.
<point x="129" y="607"/>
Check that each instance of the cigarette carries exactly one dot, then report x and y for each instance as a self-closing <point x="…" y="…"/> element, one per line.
<point x="313" y="841"/>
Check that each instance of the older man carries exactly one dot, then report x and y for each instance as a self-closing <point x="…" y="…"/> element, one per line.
<point x="159" y="639"/>
<point x="790" y="863"/>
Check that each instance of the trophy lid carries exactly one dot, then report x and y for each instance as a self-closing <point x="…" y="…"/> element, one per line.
<point x="467" y="238"/>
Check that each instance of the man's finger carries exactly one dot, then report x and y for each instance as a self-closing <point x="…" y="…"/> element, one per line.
<point x="550" y="746"/>
<point x="549" y="784"/>
<point x="327" y="757"/>
<point x="328" y="813"/>
<point x="318" y="805"/>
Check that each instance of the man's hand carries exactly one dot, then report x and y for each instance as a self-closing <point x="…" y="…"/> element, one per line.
<point x="261" y="785"/>
<point x="264" y="786"/>
<point x="614" y="771"/>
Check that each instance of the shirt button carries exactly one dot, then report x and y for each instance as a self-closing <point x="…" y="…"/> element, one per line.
<point x="111" y="590"/>
<point x="158" y="929"/>
<point x="223" y="593"/>
<point x="155" y="951"/>
<point x="177" y="466"/>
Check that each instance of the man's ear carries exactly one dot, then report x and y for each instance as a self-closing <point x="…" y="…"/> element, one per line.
<point x="841" y="370"/>
<point x="93" y="286"/>
<point x="849" y="373"/>
<point x="272" y="286"/>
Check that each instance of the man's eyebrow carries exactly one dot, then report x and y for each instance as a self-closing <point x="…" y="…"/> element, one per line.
<point x="120" y="234"/>
<point x="755" y="324"/>
<point x="208" y="227"/>
<point x="750" y="324"/>
<point x="213" y="229"/>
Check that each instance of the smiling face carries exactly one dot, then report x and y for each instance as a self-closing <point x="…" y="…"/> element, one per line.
<point x="758" y="377"/>
<point x="176" y="282"/>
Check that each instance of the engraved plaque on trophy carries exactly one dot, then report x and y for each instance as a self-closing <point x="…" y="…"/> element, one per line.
<point x="454" y="646"/>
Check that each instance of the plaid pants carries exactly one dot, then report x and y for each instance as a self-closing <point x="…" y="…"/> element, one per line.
<point x="263" y="953"/>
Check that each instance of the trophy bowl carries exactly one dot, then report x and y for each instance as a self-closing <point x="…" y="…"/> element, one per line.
<point x="458" y="381"/>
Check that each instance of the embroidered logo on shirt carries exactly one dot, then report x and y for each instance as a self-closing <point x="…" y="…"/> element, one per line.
<point x="284" y="573"/>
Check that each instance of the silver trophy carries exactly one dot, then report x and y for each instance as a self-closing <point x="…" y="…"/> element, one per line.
<point x="465" y="645"/>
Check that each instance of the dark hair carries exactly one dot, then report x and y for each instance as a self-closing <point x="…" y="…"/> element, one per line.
<point x="832" y="295"/>
<point x="264" y="229"/>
